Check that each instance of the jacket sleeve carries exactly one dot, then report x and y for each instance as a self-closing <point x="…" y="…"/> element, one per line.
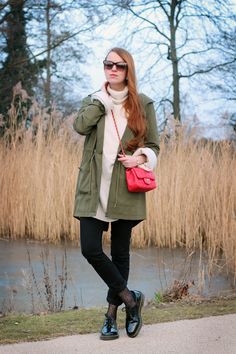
<point x="88" y="116"/>
<point x="152" y="138"/>
<point x="151" y="157"/>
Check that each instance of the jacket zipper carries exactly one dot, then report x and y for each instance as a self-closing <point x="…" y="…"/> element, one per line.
<point x="90" y="173"/>
<point x="117" y="184"/>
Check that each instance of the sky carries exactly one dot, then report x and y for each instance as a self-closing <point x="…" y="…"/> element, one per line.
<point x="205" y="104"/>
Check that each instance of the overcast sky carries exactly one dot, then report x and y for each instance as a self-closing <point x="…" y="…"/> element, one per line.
<point x="204" y="104"/>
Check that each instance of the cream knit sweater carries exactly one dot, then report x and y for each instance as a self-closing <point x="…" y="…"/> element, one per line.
<point x="111" y="143"/>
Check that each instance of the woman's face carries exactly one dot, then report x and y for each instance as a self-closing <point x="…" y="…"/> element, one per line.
<point x="116" y="76"/>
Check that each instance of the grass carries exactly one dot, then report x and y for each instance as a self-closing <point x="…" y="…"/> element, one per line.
<point x="18" y="328"/>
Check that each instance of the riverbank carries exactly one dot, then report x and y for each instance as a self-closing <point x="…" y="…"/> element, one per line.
<point x="153" y="270"/>
<point x="19" y="328"/>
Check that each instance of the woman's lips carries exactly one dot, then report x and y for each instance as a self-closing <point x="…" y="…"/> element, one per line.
<point x="113" y="75"/>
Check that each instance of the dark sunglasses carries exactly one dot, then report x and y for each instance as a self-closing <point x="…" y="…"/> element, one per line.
<point x="120" y="66"/>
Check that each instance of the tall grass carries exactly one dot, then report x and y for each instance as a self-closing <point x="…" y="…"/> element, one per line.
<point x="194" y="205"/>
<point x="37" y="182"/>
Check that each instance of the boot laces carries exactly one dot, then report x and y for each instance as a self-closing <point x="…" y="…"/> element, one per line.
<point x="109" y="321"/>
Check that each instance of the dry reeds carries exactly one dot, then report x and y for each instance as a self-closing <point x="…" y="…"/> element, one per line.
<point x="194" y="205"/>
<point x="37" y="182"/>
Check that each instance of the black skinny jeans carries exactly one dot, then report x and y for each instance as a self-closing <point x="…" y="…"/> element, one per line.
<point x="114" y="271"/>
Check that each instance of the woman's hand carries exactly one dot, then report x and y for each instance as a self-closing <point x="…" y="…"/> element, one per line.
<point x="104" y="98"/>
<point x="131" y="161"/>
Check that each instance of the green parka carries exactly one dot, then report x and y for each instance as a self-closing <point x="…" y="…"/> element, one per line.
<point x="122" y="204"/>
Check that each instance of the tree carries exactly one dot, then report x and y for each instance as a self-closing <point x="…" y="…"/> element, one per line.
<point x="62" y="44"/>
<point x="45" y="30"/>
<point x="16" y="65"/>
<point x="224" y="83"/>
<point x="181" y="32"/>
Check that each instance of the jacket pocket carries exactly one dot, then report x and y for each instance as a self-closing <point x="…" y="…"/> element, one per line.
<point x="85" y="174"/>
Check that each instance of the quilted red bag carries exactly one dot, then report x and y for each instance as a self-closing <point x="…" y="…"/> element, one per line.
<point x="138" y="179"/>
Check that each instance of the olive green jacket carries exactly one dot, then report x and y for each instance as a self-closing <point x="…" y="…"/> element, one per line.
<point x="122" y="204"/>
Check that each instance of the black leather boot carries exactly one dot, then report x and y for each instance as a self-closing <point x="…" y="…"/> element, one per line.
<point x="109" y="329"/>
<point x="133" y="315"/>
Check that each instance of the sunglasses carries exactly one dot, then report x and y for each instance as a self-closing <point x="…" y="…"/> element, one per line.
<point x="120" y="66"/>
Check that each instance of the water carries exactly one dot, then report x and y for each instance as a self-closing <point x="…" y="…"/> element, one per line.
<point x="151" y="270"/>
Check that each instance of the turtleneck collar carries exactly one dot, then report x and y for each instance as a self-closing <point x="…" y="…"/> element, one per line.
<point x="118" y="96"/>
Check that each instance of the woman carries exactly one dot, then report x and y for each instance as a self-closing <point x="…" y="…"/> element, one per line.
<point x="102" y="196"/>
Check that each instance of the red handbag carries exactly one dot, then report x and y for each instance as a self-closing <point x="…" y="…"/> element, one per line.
<point x="140" y="180"/>
<point x="137" y="179"/>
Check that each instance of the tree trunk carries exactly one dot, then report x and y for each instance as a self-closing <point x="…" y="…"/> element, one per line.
<point x="174" y="61"/>
<point x="16" y="67"/>
<point x="48" y="63"/>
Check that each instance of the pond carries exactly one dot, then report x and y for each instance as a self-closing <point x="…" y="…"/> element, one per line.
<point x="152" y="270"/>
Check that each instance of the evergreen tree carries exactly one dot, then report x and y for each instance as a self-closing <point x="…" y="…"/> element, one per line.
<point x="16" y="65"/>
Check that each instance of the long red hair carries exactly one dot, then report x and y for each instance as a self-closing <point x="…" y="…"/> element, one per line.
<point x="133" y="107"/>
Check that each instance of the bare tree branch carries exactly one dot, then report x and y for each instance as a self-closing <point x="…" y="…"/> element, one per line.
<point x="2" y="7"/>
<point x="150" y="22"/>
<point x="55" y="45"/>
<point x="196" y="52"/>
<point x="163" y="8"/>
<point x="205" y="71"/>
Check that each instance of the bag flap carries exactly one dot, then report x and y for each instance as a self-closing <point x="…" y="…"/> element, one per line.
<point x="141" y="173"/>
